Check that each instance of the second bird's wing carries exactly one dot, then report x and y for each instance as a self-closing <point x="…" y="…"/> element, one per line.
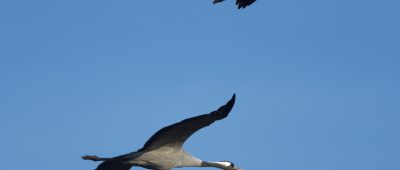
<point x="244" y="3"/>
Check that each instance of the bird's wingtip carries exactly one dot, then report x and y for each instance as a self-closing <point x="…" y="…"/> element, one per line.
<point x="231" y="102"/>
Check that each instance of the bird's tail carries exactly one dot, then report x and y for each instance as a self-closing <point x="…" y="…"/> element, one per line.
<point x="216" y="1"/>
<point x="114" y="165"/>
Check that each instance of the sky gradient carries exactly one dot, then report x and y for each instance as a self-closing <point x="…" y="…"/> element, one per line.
<point x="317" y="82"/>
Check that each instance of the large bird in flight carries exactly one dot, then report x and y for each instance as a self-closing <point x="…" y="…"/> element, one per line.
<point x="239" y="3"/>
<point x="164" y="150"/>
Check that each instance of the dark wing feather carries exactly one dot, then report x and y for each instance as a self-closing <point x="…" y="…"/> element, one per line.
<point x="244" y="3"/>
<point x="176" y="134"/>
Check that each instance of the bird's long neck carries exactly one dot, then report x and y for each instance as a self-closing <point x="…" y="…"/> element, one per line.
<point x="216" y="165"/>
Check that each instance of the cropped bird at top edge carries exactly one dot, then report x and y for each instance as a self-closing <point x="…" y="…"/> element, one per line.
<point x="164" y="150"/>
<point x="240" y="3"/>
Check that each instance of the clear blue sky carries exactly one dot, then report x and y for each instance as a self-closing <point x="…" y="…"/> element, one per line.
<point x="317" y="82"/>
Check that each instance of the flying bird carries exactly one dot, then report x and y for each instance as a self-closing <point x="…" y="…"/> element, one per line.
<point x="163" y="151"/>
<point x="239" y="3"/>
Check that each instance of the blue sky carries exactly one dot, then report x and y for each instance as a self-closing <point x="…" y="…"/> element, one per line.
<point x="317" y="82"/>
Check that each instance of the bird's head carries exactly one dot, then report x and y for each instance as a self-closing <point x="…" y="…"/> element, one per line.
<point x="228" y="164"/>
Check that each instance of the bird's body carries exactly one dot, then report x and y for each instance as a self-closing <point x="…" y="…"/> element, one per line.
<point x="180" y="158"/>
<point x="239" y="3"/>
<point x="163" y="151"/>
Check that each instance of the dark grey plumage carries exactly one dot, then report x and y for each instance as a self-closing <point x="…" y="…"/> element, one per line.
<point x="163" y="151"/>
<point x="114" y="165"/>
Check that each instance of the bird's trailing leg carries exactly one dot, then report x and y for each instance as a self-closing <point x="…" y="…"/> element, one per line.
<point x="95" y="158"/>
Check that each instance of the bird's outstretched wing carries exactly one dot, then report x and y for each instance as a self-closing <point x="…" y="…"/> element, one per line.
<point x="114" y="165"/>
<point x="244" y="3"/>
<point x="176" y="134"/>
